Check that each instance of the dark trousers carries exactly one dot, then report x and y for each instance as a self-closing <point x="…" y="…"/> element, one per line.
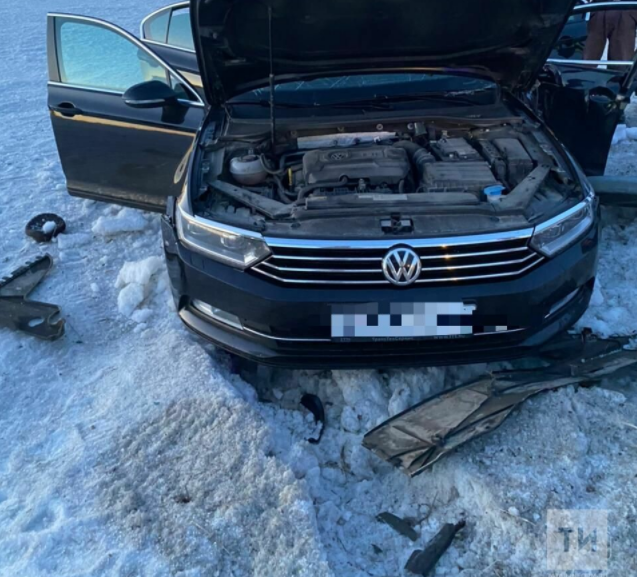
<point x="619" y="28"/>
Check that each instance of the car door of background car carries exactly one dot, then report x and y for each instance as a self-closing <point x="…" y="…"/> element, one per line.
<point x="581" y="100"/>
<point x="169" y="33"/>
<point x="109" y="150"/>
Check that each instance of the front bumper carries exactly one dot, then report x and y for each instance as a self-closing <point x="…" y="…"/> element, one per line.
<point x="290" y="326"/>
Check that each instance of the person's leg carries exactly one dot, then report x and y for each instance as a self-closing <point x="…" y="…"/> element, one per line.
<point x="622" y="39"/>
<point x="596" y="40"/>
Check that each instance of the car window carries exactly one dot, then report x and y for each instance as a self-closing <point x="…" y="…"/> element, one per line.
<point x="156" y="27"/>
<point x="180" y="31"/>
<point x="579" y="17"/>
<point x="599" y="36"/>
<point x="94" y="56"/>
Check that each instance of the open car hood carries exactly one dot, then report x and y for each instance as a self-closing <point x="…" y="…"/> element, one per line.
<point x="505" y="40"/>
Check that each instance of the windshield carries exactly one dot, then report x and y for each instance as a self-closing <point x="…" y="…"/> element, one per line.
<point x="323" y="91"/>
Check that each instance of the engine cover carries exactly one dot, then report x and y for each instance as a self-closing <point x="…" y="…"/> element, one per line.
<point x="377" y="165"/>
<point x="458" y="177"/>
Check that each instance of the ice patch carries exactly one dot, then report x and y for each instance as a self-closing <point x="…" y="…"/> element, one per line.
<point x="134" y="281"/>
<point x="128" y="220"/>
<point x="68" y="241"/>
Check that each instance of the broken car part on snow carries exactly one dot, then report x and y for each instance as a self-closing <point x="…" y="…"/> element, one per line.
<point x="20" y="314"/>
<point x="422" y="562"/>
<point x="399" y="525"/>
<point x="45" y="227"/>
<point x="415" y="439"/>
<point x="314" y="404"/>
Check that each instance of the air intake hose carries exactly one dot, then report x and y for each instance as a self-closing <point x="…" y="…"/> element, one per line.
<point x="417" y="154"/>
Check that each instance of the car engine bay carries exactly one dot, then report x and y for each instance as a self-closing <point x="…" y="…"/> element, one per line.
<point x="503" y="169"/>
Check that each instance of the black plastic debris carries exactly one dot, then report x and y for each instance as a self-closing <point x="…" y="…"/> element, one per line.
<point x="399" y="525"/>
<point x="313" y="404"/>
<point x="422" y="562"/>
<point x="45" y="227"/>
<point x="18" y="313"/>
<point x="417" y="438"/>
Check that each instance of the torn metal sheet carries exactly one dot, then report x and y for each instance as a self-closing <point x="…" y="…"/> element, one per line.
<point x="418" y="437"/>
<point x="20" y="314"/>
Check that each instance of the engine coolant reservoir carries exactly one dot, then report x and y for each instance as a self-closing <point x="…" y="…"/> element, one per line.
<point x="248" y="170"/>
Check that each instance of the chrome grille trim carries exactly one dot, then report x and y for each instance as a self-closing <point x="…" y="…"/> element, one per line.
<point x="341" y="282"/>
<point x="483" y="253"/>
<point x="439" y="242"/>
<point x="334" y="270"/>
<point x="332" y="258"/>
<point x="444" y="260"/>
<point x="375" y="270"/>
<point x="385" y="282"/>
<point x="380" y="258"/>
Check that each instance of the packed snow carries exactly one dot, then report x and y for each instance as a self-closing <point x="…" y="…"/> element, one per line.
<point x="130" y="448"/>
<point x="48" y="227"/>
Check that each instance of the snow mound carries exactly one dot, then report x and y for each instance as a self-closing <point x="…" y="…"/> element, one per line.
<point x="621" y="134"/>
<point x="127" y="220"/>
<point x="614" y="300"/>
<point x="135" y="282"/>
<point x="140" y="272"/>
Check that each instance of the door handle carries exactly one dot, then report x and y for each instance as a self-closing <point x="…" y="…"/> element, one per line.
<point x="67" y="109"/>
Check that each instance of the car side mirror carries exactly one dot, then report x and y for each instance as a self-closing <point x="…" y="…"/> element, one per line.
<point x="150" y="94"/>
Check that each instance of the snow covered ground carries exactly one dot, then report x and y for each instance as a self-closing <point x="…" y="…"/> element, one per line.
<point x="129" y="449"/>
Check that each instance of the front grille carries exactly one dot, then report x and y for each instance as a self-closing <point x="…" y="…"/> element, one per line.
<point x="475" y="258"/>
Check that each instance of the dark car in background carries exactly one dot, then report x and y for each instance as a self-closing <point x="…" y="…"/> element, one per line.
<point x="350" y="184"/>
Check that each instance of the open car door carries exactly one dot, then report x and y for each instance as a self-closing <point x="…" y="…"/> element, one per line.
<point x="168" y="32"/>
<point x="124" y="120"/>
<point x="582" y="94"/>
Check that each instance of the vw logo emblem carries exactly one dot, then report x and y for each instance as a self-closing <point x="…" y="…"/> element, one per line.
<point x="402" y="266"/>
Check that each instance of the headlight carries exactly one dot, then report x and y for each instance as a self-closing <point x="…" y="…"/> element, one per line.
<point x="233" y="246"/>
<point x="556" y="234"/>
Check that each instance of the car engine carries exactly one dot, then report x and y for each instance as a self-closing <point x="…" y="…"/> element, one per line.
<point x="477" y="166"/>
<point x="372" y="166"/>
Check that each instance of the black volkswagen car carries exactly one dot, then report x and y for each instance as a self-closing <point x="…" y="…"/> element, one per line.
<point x="361" y="183"/>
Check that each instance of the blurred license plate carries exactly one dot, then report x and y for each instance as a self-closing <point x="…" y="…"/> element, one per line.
<point x="402" y="320"/>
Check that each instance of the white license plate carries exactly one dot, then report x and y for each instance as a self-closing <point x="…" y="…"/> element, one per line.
<point x="402" y="320"/>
